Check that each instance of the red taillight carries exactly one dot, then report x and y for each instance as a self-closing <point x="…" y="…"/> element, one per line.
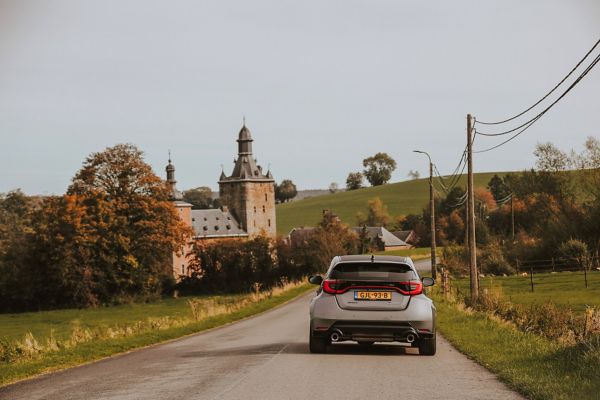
<point x="337" y="286"/>
<point x="334" y="286"/>
<point x="414" y="288"/>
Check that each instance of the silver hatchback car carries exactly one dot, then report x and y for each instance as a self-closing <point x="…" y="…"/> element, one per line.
<point x="370" y="299"/>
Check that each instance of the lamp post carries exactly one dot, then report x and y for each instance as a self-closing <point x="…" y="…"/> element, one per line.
<point x="432" y="212"/>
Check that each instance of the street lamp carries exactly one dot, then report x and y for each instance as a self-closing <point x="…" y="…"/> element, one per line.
<point x="432" y="212"/>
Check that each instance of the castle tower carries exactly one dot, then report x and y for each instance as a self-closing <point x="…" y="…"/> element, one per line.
<point x="184" y="209"/>
<point x="248" y="193"/>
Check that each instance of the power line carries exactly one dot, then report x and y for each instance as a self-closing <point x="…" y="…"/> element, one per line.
<point x="547" y="94"/>
<point x="529" y="123"/>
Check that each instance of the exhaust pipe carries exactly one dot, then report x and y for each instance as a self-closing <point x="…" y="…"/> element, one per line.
<point x="410" y="338"/>
<point x="336" y="335"/>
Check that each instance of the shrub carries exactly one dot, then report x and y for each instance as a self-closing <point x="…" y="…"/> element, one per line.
<point x="492" y="261"/>
<point x="574" y="250"/>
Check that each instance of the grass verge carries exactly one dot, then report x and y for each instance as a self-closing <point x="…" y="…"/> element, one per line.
<point x="97" y="349"/>
<point x="565" y="289"/>
<point x="534" y="366"/>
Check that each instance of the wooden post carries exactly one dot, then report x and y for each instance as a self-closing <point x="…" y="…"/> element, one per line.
<point x="518" y="268"/>
<point x="553" y="265"/>
<point x="432" y="211"/>
<point x="531" y="277"/>
<point x="473" y="275"/>
<point x="512" y="217"/>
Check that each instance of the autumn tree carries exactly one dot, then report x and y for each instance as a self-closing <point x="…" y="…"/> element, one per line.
<point x="285" y="191"/>
<point x="122" y="206"/>
<point x="498" y="188"/>
<point x="378" y="168"/>
<point x="377" y="214"/>
<point x="354" y="181"/>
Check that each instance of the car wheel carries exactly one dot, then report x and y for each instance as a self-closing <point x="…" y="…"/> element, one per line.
<point x="317" y="344"/>
<point x="427" y="346"/>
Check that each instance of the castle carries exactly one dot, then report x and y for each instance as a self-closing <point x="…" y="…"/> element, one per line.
<point x="247" y="198"/>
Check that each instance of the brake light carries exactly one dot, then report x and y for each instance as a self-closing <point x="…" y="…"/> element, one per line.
<point x="414" y="288"/>
<point x="338" y="286"/>
<point x="334" y="286"/>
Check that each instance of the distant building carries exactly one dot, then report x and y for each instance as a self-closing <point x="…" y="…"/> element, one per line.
<point x="409" y="236"/>
<point x="247" y="198"/>
<point x="379" y="237"/>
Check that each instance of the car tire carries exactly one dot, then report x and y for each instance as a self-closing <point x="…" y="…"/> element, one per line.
<point x="427" y="346"/>
<point x="317" y="344"/>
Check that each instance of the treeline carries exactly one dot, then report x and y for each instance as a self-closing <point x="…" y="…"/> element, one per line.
<point x="556" y="209"/>
<point x="108" y="240"/>
<point x="233" y="266"/>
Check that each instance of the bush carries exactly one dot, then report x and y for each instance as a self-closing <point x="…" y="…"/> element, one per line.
<point x="456" y="259"/>
<point x="574" y="250"/>
<point x="492" y="261"/>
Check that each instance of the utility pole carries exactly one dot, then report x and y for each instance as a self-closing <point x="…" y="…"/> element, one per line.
<point x="473" y="275"/>
<point x="432" y="217"/>
<point x="512" y="216"/>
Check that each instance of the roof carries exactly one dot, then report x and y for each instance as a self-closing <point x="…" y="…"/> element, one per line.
<point x="300" y="233"/>
<point x="215" y="223"/>
<point x="388" y="239"/>
<point x="404" y="235"/>
<point x="181" y="203"/>
<point x="246" y="167"/>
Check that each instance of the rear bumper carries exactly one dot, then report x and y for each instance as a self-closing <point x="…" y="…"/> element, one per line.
<point x="417" y="319"/>
<point x="373" y="331"/>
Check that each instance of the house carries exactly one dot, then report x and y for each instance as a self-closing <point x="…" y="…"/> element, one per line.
<point x="409" y="237"/>
<point x="378" y="236"/>
<point x="247" y="198"/>
<point x="381" y="238"/>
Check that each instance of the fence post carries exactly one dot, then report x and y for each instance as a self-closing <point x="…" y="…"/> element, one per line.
<point x="518" y="269"/>
<point x="531" y="277"/>
<point x="553" y="265"/>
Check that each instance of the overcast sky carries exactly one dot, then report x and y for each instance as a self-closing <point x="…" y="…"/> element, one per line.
<point x="322" y="84"/>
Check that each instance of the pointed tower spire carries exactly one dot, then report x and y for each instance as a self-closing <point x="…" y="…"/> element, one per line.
<point x="174" y="194"/>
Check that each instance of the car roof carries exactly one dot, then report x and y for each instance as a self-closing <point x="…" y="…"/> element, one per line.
<point x="375" y="258"/>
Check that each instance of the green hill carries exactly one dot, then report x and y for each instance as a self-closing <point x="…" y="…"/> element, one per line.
<point x="401" y="198"/>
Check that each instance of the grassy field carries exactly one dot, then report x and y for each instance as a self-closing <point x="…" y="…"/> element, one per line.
<point x="417" y="253"/>
<point x="536" y="367"/>
<point x="565" y="289"/>
<point x="108" y="331"/>
<point x="400" y="198"/>
<point x="61" y="322"/>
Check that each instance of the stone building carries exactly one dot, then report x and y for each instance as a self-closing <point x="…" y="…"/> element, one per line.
<point x="248" y="204"/>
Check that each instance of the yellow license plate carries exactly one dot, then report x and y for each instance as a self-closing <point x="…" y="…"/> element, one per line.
<point x="372" y="295"/>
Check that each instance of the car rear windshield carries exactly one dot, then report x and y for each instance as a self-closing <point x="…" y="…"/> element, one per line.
<point x="394" y="272"/>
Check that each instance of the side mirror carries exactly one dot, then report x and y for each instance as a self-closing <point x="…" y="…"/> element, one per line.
<point x="428" y="281"/>
<point x="316" y="279"/>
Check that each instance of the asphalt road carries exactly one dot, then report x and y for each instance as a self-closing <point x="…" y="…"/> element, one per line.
<point x="266" y="357"/>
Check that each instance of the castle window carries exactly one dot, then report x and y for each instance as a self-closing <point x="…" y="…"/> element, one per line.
<point x="255" y="223"/>
<point x="228" y="227"/>
<point x="254" y="208"/>
<point x="205" y="219"/>
<point x="228" y="219"/>
<point x="205" y="228"/>
<point x="216" y="227"/>
<point x="264" y="209"/>
<point x="193" y="219"/>
<point x="182" y="269"/>
<point x="269" y="222"/>
<point x="265" y="197"/>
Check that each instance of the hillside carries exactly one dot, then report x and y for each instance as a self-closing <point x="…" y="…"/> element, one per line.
<point x="401" y="198"/>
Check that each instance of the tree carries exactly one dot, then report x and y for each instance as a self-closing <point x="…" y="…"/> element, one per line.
<point x="354" y="181"/>
<point x="333" y="187"/>
<point x="377" y="214"/>
<point x="285" y="191"/>
<point x="414" y="174"/>
<point x="498" y="188"/>
<point x="118" y="208"/>
<point x="378" y="168"/>
<point x="200" y="198"/>
<point x="550" y="158"/>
